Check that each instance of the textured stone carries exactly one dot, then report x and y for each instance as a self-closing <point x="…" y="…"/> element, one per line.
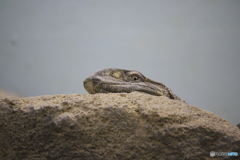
<point x="111" y="126"/>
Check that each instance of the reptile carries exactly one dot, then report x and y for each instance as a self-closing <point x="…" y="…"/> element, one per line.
<point x="115" y="80"/>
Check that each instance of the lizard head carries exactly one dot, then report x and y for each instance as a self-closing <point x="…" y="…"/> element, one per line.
<point x="114" y="80"/>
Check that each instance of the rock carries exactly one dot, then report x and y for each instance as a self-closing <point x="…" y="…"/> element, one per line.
<point x="238" y="125"/>
<point x="4" y="93"/>
<point x="111" y="126"/>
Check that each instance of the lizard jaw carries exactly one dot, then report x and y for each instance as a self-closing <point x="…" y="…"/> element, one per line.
<point x="95" y="85"/>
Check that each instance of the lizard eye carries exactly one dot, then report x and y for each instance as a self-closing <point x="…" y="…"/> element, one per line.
<point x="135" y="77"/>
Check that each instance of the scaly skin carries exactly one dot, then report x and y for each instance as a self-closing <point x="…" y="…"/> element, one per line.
<point x="114" y="80"/>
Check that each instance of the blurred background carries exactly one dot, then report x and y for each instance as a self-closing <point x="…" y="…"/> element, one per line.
<point x="50" y="47"/>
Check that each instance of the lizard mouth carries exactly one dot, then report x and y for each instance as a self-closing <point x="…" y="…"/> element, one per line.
<point x="115" y="80"/>
<point x="95" y="85"/>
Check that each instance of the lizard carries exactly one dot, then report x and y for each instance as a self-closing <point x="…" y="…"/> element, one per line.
<point x="115" y="80"/>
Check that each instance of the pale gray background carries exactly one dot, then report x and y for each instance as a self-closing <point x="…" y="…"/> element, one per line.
<point x="192" y="46"/>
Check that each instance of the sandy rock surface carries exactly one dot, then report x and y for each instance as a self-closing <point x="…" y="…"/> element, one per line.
<point x="111" y="126"/>
<point x="4" y="93"/>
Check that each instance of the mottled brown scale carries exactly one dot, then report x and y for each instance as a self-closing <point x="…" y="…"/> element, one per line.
<point x="115" y="80"/>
